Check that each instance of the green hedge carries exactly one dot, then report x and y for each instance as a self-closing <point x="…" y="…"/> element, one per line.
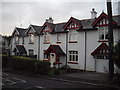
<point x="30" y="64"/>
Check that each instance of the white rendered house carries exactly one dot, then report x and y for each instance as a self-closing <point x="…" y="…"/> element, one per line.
<point x="81" y="44"/>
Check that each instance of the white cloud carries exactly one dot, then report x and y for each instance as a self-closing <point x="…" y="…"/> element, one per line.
<point x="37" y="12"/>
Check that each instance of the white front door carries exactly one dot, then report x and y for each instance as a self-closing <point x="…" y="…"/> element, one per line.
<point x="52" y="58"/>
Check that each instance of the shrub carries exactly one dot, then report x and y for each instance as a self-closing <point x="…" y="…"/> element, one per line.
<point x="23" y="63"/>
<point x="4" y="60"/>
<point x="42" y="67"/>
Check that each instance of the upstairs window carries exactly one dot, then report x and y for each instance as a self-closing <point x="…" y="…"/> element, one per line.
<point x="73" y="56"/>
<point x="23" y="40"/>
<point x="58" y="38"/>
<point x="16" y="39"/>
<point x="46" y="37"/>
<point x="103" y="33"/>
<point x="31" y="38"/>
<point x="31" y="52"/>
<point x="72" y="35"/>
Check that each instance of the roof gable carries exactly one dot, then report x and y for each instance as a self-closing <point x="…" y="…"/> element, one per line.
<point x="15" y="32"/>
<point x="74" y="21"/>
<point x="33" y="29"/>
<point x="102" y="49"/>
<point x="102" y="16"/>
<point x="19" y="31"/>
<point x="20" y="48"/>
<point x="47" y="27"/>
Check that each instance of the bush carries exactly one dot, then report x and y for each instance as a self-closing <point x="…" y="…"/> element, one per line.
<point x="4" y="60"/>
<point x="42" y="67"/>
<point x="23" y="63"/>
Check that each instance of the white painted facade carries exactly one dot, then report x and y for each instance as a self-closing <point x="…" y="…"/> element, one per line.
<point x="86" y="41"/>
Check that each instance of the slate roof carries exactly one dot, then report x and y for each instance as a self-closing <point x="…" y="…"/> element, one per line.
<point x="21" y="49"/>
<point x="59" y="28"/>
<point x="36" y="28"/>
<point x="21" y="31"/>
<point x="55" y="48"/>
<point x="87" y="23"/>
<point x="117" y="19"/>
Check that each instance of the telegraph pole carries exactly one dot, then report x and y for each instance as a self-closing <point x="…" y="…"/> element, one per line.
<point x="110" y="40"/>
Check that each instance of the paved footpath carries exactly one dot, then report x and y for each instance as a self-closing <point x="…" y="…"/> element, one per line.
<point x="81" y="79"/>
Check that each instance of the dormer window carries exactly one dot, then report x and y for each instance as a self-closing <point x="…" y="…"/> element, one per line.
<point x="31" y="38"/>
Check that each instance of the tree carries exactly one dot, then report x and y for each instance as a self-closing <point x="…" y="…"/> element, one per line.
<point x="116" y="54"/>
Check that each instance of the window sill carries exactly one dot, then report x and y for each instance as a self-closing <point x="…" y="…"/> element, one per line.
<point x="58" y="63"/>
<point x="58" y="42"/>
<point x="46" y="42"/>
<point x="45" y="59"/>
<point x="103" y="41"/>
<point x="31" y="43"/>
<point x="72" y="42"/>
<point x="73" y="62"/>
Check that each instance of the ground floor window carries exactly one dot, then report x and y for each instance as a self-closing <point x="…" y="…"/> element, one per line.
<point x="31" y="52"/>
<point x="73" y="56"/>
<point x="45" y="55"/>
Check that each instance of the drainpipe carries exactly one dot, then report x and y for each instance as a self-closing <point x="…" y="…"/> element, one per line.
<point x="38" y="46"/>
<point x="85" y="49"/>
<point x="66" y="46"/>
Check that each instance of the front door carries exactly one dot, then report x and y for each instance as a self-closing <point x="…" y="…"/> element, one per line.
<point x="52" y="58"/>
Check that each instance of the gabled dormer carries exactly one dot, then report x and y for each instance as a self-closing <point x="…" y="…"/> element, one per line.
<point x="30" y="30"/>
<point x="15" y="32"/>
<point x="72" y="24"/>
<point x="102" y="20"/>
<point x="47" y="27"/>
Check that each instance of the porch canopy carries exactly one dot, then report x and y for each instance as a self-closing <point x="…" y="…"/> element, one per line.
<point x="20" y="49"/>
<point x="56" y="49"/>
<point x="101" y="50"/>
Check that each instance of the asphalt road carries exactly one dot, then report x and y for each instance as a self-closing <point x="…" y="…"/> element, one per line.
<point x="26" y="82"/>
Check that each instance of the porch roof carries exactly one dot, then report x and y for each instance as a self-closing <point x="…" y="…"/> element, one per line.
<point x="21" y="49"/>
<point x="56" y="49"/>
<point x="101" y="50"/>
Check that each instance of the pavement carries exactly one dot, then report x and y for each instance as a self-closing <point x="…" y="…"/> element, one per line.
<point x="82" y="77"/>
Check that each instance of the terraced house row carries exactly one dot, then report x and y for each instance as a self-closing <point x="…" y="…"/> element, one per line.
<point x="81" y="44"/>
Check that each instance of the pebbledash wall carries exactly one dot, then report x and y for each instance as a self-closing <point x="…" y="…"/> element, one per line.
<point x="87" y="42"/>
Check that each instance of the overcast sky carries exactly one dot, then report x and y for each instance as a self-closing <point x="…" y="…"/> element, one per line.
<point x="38" y="11"/>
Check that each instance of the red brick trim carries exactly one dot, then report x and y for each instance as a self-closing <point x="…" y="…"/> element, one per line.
<point x="73" y="62"/>
<point x="103" y="41"/>
<point x="72" y="42"/>
<point x="46" y="42"/>
<point x="31" y="43"/>
<point x="58" y="42"/>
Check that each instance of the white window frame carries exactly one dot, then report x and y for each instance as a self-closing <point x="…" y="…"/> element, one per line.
<point x="73" y="56"/>
<point x="72" y="35"/>
<point x="58" y="37"/>
<point x="31" y="50"/>
<point x="46" y="37"/>
<point x="31" y="38"/>
<point x="103" y="30"/>
<point x="16" y="39"/>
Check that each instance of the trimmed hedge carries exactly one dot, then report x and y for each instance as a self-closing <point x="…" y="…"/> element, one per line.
<point x="30" y="64"/>
<point x="4" y="60"/>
